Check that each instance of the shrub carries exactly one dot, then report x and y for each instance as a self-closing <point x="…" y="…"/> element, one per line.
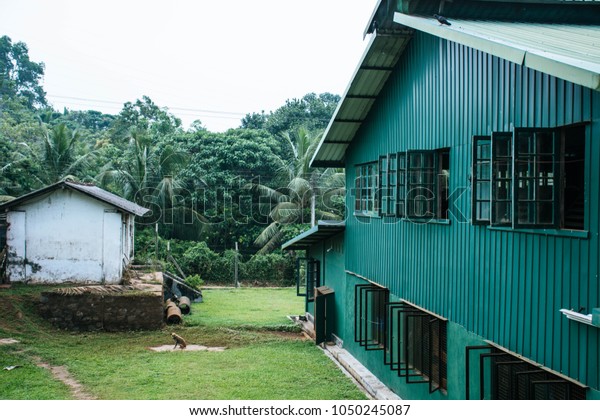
<point x="194" y="281"/>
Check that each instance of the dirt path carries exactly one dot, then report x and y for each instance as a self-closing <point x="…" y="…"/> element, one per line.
<point x="62" y="374"/>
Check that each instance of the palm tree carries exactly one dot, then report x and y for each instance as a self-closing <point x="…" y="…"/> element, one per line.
<point x="152" y="176"/>
<point x="305" y="191"/>
<point x="58" y="159"/>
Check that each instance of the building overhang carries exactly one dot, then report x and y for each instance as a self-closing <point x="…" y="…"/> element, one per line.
<point x="324" y="229"/>
<point x="376" y="66"/>
<point x="565" y="50"/>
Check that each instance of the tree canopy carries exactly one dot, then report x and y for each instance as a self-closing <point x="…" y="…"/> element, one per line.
<point x="217" y="188"/>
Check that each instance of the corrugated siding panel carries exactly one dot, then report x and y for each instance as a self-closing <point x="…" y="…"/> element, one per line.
<point x="505" y="286"/>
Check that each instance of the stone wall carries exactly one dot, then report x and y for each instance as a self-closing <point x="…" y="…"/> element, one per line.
<point x="103" y="312"/>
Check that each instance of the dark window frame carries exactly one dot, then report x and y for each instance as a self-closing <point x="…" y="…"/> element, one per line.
<point x="370" y="316"/>
<point x="388" y="184"/>
<point x="529" y="178"/>
<point x="410" y="347"/>
<point x="481" y="176"/>
<point x="504" y="376"/>
<point x="427" y="186"/>
<point x="366" y="187"/>
<point x="311" y="277"/>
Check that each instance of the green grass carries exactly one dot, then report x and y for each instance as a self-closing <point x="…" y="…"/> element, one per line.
<point x="28" y="382"/>
<point x="259" y="363"/>
<point x="248" y="307"/>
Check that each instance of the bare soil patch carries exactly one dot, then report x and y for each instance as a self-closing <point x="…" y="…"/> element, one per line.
<point x="190" y="347"/>
<point x="62" y="374"/>
<point x="6" y="341"/>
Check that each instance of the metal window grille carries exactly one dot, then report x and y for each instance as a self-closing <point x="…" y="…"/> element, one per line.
<point x="370" y="316"/>
<point x="415" y="345"/>
<point x="308" y="277"/>
<point x="503" y="376"/>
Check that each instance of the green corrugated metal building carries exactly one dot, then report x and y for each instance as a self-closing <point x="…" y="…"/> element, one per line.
<point x="468" y="263"/>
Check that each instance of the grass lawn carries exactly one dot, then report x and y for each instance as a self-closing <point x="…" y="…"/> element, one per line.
<point x="260" y="362"/>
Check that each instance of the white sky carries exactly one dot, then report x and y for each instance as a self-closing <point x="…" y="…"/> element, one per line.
<point x="213" y="60"/>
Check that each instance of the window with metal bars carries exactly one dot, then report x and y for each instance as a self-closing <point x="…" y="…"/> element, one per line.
<point x="503" y="376"/>
<point x="530" y="178"/>
<point x="369" y="315"/>
<point x="366" y="188"/>
<point x="308" y="277"/>
<point x="415" y="345"/>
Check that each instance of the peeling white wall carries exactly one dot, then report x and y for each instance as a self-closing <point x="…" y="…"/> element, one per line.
<point x="67" y="236"/>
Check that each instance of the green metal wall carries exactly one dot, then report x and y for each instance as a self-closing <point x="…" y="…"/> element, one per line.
<point x="330" y="253"/>
<point x="504" y="286"/>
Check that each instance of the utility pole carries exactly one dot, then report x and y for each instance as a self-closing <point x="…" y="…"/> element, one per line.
<point x="235" y="267"/>
<point x="156" y="242"/>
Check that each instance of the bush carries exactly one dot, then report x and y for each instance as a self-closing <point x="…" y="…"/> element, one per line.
<point x="197" y="259"/>
<point x="270" y="268"/>
<point x="194" y="281"/>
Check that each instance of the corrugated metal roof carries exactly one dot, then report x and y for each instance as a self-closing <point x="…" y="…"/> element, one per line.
<point x="90" y="190"/>
<point x="567" y="51"/>
<point x="322" y="230"/>
<point x="376" y="65"/>
<point x="108" y="197"/>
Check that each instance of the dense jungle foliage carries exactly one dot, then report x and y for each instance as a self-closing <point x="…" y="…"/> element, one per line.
<point x="206" y="190"/>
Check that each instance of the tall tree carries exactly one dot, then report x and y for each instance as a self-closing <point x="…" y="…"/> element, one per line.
<point x="305" y="194"/>
<point x="150" y="175"/>
<point x="311" y="111"/>
<point x="19" y="76"/>
<point x="58" y="158"/>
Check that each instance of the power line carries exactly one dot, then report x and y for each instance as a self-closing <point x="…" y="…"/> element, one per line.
<point x="170" y="108"/>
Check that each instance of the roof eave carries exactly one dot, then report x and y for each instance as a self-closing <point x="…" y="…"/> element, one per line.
<point x="361" y="93"/>
<point x="325" y="230"/>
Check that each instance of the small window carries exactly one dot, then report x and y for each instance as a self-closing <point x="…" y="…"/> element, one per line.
<point x="481" y="178"/>
<point x="369" y="315"/>
<point x="308" y="277"/>
<point x="388" y="181"/>
<point x="416" y="345"/>
<point x="503" y="376"/>
<point x="427" y="182"/>
<point x="367" y="190"/>
<point x="536" y="178"/>
<point x="401" y="209"/>
<point x="502" y="172"/>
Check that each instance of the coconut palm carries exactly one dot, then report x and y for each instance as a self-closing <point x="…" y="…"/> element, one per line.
<point x="305" y="194"/>
<point x="152" y="177"/>
<point x="58" y="159"/>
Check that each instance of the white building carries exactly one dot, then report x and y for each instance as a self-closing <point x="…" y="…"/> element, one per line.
<point x="69" y="232"/>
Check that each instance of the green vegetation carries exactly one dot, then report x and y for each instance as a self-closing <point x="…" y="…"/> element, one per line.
<point x="247" y="308"/>
<point x="250" y="185"/>
<point x="263" y="360"/>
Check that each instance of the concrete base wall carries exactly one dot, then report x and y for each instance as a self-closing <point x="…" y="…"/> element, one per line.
<point x="103" y="312"/>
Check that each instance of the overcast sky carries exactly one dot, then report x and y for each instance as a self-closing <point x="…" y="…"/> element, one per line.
<point x="213" y="60"/>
